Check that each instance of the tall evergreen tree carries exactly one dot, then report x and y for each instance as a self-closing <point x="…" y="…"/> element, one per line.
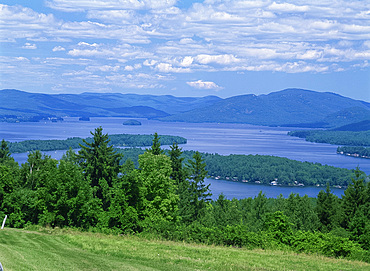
<point x="199" y="192"/>
<point x="100" y="163"/>
<point x="327" y="209"/>
<point x="156" y="146"/>
<point x="179" y="175"/>
<point x="178" y="172"/>
<point x="356" y="206"/>
<point x="4" y="151"/>
<point x="354" y="197"/>
<point x="5" y="157"/>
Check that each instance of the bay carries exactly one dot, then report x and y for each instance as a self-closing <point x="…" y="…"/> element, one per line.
<point x="218" y="138"/>
<point x="240" y="190"/>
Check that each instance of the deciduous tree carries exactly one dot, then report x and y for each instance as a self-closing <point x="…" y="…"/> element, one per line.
<point x="157" y="190"/>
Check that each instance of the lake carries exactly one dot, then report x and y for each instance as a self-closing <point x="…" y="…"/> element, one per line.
<point x="218" y="138"/>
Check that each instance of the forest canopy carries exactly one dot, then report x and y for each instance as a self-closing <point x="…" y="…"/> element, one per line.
<point x="119" y="140"/>
<point x="165" y="197"/>
<point x="348" y="138"/>
<point x="262" y="169"/>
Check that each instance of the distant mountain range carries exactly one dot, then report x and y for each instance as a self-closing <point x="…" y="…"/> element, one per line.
<point x="290" y="107"/>
<point x="16" y="103"/>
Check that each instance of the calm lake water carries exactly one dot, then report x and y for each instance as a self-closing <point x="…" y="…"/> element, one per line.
<point x="222" y="138"/>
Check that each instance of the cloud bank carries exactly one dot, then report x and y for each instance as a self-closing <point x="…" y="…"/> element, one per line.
<point x="150" y="42"/>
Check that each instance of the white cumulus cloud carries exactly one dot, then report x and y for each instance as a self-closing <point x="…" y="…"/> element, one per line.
<point x="204" y="85"/>
<point x="218" y="59"/>
<point x="58" y="49"/>
<point x="29" y="46"/>
<point x="168" y="68"/>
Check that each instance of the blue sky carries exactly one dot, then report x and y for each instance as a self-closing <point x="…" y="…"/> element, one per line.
<point x="185" y="48"/>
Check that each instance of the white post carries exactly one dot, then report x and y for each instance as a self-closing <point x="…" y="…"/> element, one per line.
<point x="2" y="227"/>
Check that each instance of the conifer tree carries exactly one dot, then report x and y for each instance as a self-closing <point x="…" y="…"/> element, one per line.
<point x="356" y="208"/>
<point x="156" y="146"/>
<point x="327" y="209"/>
<point x="99" y="162"/>
<point x="179" y="175"/>
<point x="4" y="151"/>
<point x="354" y="197"/>
<point x="178" y="172"/>
<point x="199" y="192"/>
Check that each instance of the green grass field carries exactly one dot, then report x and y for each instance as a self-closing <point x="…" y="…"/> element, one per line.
<point x="72" y="250"/>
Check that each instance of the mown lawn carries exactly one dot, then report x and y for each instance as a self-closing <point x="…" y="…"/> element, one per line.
<point x="72" y="250"/>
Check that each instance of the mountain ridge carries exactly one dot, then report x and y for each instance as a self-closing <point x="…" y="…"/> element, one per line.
<point x="288" y="107"/>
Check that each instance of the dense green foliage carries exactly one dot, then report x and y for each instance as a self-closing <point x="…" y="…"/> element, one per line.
<point x="353" y="136"/>
<point x="262" y="168"/>
<point x="120" y="140"/>
<point x="265" y="169"/>
<point x="354" y="151"/>
<point x="361" y="138"/>
<point x="166" y="197"/>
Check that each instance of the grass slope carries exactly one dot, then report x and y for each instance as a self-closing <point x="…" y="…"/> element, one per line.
<point x="71" y="250"/>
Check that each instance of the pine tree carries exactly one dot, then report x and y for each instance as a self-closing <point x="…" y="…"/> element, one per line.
<point x="4" y="152"/>
<point x="199" y="192"/>
<point x="354" y="197"/>
<point x="99" y="162"/>
<point x="327" y="209"/>
<point x="156" y="146"/>
<point x="178" y="172"/>
<point x="179" y="175"/>
<point x="356" y="206"/>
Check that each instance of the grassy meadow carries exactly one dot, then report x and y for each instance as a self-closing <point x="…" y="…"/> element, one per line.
<point x="48" y="249"/>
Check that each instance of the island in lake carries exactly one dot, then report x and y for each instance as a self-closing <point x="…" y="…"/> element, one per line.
<point x="84" y="119"/>
<point x="131" y="122"/>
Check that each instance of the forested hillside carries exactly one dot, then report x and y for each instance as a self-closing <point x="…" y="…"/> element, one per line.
<point x="289" y="107"/>
<point x="354" y="138"/>
<point x="166" y="197"/>
<point x="347" y="138"/>
<point x="263" y="169"/>
<point x="119" y="140"/>
<point x="243" y="168"/>
<point x="18" y="105"/>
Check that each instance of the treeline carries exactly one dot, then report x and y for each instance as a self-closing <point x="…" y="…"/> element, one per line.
<point x="166" y="197"/>
<point x="263" y="169"/>
<point x="122" y="140"/>
<point x="354" y="151"/>
<point x="350" y="138"/>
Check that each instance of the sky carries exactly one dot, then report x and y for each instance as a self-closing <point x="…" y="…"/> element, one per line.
<point x="185" y="48"/>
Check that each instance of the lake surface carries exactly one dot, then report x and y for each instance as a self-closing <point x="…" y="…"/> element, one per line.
<point x="218" y="138"/>
<point x="239" y="190"/>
